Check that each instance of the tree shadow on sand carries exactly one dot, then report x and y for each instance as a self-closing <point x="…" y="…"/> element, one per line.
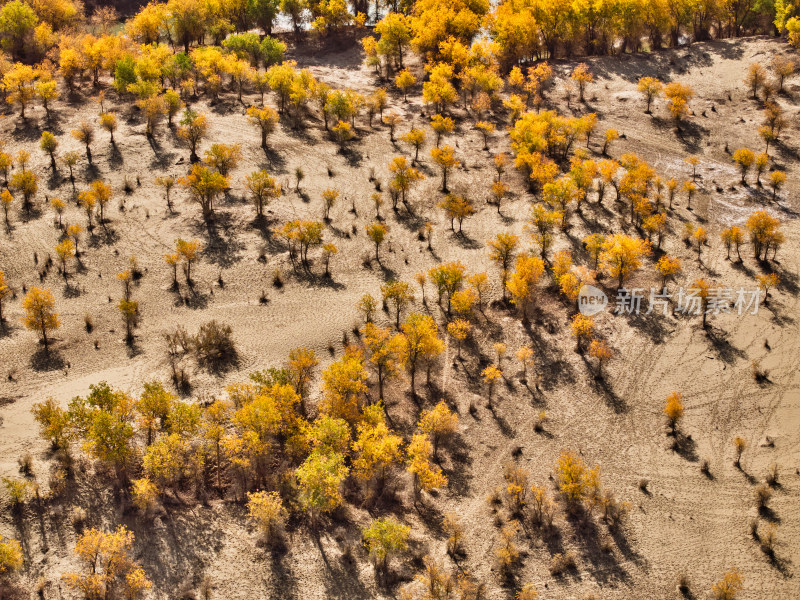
<point x="47" y="360"/>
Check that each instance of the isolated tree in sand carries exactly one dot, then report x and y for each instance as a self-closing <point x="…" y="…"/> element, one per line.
<point x="583" y="329"/>
<point x="503" y="249"/>
<point x="102" y="193"/>
<point x="421" y="343"/>
<point x="377" y="233"/>
<point x="543" y="222"/>
<point x="610" y="135"/>
<point x="728" y="587"/>
<point x="678" y="96"/>
<point x="459" y="330"/>
<point x="192" y="130"/>
<point x="129" y="310"/>
<point x="744" y="157"/>
<point x="702" y="288"/>
<point x="439" y="423"/>
<point x="65" y="250"/>
<point x="71" y="159"/>
<point x="6" y="200"/>
<point x="265" y="119"/>
<point x="427" y="476"/>
<point x="88" y="201"/>
<point x="650" y="88"/>
<point x="384" y="538"/>
<point x="223" y="158"/>
<point x="489" y="375"/>
<point x="263" y="189"/>
<point x="415" y="138"/>
<point x="441" y="125"/>
<point x="6" y="163"/>
<point x="153" y="109"/>
<point x="204" y="186"/>
<point x="173" y="259"/>
<point x="392" y="119"/>
<point x="776" y="180"/>
<point x="189" y="251"/>
<point x="404" y="176"/>
<point x="266" y="510"/>
<point x="445" y="158"/>
<point x="75" y="231"/>
<point x="457" y="208"/>
<point x="582" y="76"/>
<point x="673" y="409"/>
<point x="27" y="184"/>
<point x="109" y="570"/>
<point x="40" y="315"/>
<point x="85" y="135"/>
<point x="167" y="182"/>
<point x="5" y="292"/>
<point x="486" y="128"/>
<point x="756" y="78"/>
<point x="404" y="82"/>
<point x="621" y="256"/>
<point x="49" y="144"/>
<point x="602" y="352"/>
<point x="398" y="293"/>
<point x="522" y="283"/>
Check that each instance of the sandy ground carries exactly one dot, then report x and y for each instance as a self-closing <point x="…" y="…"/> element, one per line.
<point x="685" y="523"/>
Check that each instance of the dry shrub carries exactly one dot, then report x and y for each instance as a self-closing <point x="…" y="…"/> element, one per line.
<point x="760" y="374"/>
<point x="562" y="563"/>
<point x="214" y="346"/>
<point x="772" y="475"/>
<point x="516" y="490"/>
<point x="205" y="588"/>
<point x="753" y="526"/>
<point x="507" y="553"/>
<point x="455" y="533"/>
<point x="25" y="463"/>
<point x="768" y="539"/>
<point x="683" y="584"/>
<point x="495" y="497"/>
<point x="763" y="495"/>
<point x="78" y="517"/>
<point x="57" y="481"/>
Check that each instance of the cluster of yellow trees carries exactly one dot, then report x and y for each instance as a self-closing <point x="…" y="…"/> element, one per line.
<point x="162" y="444"/>
<point x="526" y="30"/>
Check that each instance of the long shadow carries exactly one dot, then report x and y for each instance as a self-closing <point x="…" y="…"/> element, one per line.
<point x="115" y="160"/>
<point x="604" y="389"/>
<point x="502" y="423"/>
<point x="47" y="360"/>
<point x="459" y="476"/>
<point x="341" y="580"/>
<point x="650" y="324"/>
<point x="223" y="248"/>
<point x="604" y="566"/>
<point x="726" y="352"/>
<point x="277" y="163"/>
<point x="353" y="157"/>
<point x="684" y="446"/>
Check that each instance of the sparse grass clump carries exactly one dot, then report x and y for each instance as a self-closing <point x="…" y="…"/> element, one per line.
<point x="214" y="345"/>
